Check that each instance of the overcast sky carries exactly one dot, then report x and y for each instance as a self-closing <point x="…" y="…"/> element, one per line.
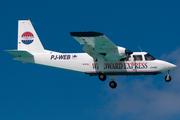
<point x="34" y="92"/>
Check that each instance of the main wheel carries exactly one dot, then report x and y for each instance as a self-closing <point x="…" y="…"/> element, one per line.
<point x="102" y="77"/>
<point x="113" y="84"/>
<point x="168" y="78"/>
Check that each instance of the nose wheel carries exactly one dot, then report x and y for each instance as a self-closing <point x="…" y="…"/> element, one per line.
<point x="168" y="77"/>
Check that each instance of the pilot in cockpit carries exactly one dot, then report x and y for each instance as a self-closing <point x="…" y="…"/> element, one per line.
<point x="137" y="59"/>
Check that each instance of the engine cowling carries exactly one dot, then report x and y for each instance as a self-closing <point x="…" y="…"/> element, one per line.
<point x="121" y="51"/>
<point x="116" y="54"/>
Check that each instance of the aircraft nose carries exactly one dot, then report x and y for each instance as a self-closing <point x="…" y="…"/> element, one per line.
<point x="170" y="66"/>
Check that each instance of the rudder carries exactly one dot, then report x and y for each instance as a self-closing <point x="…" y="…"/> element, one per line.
<point x="27" y="38"/>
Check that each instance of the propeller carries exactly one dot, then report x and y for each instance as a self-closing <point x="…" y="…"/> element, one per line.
<point x="129" y="52"/>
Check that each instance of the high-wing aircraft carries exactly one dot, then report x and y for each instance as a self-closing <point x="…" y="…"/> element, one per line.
<point x="102" y="58"/>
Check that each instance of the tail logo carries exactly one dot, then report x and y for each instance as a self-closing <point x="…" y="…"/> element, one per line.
<point x="27" y="38"/>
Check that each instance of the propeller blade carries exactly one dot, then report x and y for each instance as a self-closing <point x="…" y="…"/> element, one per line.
<point x="128" y="52"/>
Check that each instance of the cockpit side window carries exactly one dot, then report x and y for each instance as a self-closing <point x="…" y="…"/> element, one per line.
<point x="149" y="57"/>
<point x="137" y="57"/>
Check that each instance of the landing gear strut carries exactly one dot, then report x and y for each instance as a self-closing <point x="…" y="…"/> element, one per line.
<point x="168" y="77"/>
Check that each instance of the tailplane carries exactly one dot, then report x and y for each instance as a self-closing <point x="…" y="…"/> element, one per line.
<point x="19" y="53"/>
<point x="27" y="38"/>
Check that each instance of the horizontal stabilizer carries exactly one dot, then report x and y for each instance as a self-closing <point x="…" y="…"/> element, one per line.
<point x="19" y="53"/>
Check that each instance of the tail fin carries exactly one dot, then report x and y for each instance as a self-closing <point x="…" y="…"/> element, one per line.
<point x="27" y="38"/>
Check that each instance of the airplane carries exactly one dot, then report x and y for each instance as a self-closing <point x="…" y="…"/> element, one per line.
<point x="102" y="58"/>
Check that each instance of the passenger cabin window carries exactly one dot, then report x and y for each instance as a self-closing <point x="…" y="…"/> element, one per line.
<point x="137" y="57"/>
<point x="149" y="57"/>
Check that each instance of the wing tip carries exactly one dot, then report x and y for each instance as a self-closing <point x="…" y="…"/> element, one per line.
<point x="86" y="34"/>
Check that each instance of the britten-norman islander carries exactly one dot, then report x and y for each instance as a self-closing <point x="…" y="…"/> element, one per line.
<point x="102" y="58"/>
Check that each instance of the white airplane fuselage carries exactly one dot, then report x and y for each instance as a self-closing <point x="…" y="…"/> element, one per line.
<point x="83" y="63"/>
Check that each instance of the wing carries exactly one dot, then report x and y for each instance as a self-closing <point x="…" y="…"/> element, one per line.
<point x="97" y="44"/>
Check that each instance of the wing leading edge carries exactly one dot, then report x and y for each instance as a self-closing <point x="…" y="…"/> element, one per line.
<point x="97" y="44"/>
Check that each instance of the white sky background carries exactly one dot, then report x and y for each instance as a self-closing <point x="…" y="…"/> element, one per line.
<point x="143" y="99"/>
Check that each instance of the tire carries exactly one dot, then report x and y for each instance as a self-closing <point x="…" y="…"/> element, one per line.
<point x="168" y="78"/>
<point x="102" y="77"/>
<point x="113" y="84"/>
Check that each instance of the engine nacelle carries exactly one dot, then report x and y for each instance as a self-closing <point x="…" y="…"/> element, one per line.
<point x="121" y="51"/>
<point x="116" y="54"/>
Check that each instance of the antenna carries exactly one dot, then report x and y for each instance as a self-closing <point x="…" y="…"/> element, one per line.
<point x="140" y="48"/>
<point x="129" y="46"/>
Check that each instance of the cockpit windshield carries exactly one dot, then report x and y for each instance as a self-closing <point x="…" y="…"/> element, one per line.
<point x="149" y="57"/>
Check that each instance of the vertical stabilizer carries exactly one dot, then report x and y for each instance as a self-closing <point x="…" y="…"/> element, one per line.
<point x="27" y="38"/>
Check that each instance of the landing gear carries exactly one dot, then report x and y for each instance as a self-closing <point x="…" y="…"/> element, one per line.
<point x="168" y="77"/>
<point x="102" y="77"/>
<point x="113" y="84"/>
